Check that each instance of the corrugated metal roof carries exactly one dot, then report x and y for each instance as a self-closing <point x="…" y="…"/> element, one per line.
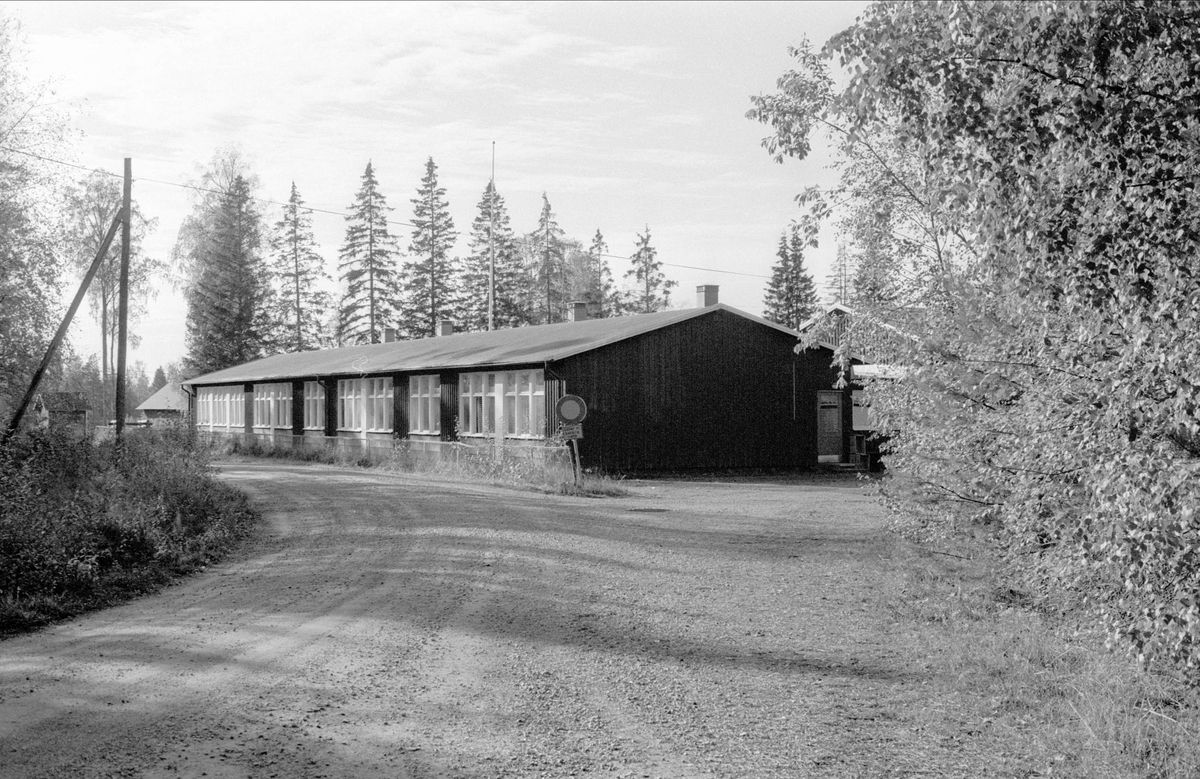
<point x="533" y="344"/>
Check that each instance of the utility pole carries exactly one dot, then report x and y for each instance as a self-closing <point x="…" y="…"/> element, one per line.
<point x="123" y="297"/>
<point x="492" y="247"/>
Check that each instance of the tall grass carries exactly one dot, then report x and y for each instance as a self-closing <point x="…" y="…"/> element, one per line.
<point x="83" y="525"/>
<point x="1041" y="674"/>
<point x="512" y="467"/>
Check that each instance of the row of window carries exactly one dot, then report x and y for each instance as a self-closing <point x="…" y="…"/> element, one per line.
<point x="512" y="401"/>
<point x="220" y="407"/>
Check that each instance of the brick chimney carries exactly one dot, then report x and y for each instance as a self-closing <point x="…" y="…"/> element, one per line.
<point x="577" y="311"/>
<point x="389" y="334"/>
<point x="445" y="327"/>
<point x="706" y="295"/>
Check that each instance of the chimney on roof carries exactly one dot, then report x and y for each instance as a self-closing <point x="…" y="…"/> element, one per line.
<point x="445" y="327"/>
<point x="577" y="311"/>
<point x="706" y="295"/>
<point x="389" y="334"/>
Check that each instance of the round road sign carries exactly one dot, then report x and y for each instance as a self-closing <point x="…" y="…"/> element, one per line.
<point x="571" y="409"/>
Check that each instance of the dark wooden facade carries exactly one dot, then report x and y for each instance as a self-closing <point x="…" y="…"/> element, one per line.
<point x="719" y="391"/>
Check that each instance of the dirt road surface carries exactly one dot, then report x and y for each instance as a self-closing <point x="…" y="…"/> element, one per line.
<point x="381" y="625"/>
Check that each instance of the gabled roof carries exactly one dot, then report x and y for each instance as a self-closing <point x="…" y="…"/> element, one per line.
<point x="496" y="348"/>
<point x="169" y="398"/>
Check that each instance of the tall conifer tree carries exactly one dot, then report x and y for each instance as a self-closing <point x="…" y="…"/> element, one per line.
<point x="509" y="308"/>
<point x="791" y="297"/>
<point x="367" y="268"/>
<point x="430" y="283"/>
<point x="548" y="245"/>
<point x="298" y="273"/>
<point x="652" y="291"/>
<point x="228" y="296"/>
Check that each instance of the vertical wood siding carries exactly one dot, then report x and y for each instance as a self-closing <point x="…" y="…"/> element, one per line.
<point x="449" y="382"/>
<point x="331" y="406"/>
<point x="717" y="391"/>
<point x="248" y="406"/>
<point x="400" y="404"/>
<point x="298" y="407"/>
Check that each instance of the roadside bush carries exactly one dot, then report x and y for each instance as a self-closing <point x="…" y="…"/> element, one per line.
<point x="81" y="524"/>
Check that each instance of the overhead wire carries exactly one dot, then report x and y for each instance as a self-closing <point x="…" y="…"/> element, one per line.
<point x="312" y="209"/>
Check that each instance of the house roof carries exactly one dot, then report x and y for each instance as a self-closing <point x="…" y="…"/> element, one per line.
<point x="514" y="346"/>
<point x="169" y="398"/>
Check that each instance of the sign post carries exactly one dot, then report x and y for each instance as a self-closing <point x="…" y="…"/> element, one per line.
<point x="571" y="411"/>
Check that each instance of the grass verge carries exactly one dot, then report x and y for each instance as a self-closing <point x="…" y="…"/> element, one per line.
<point x="1036" y="682"/>
<point x="463" y="463"/>
<point x="84" y="526"/>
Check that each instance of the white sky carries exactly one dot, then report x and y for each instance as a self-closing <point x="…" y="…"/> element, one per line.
<point x="625" y="114"/>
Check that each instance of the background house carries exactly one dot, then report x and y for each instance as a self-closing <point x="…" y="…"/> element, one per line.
<point x="168" y="403"/>
<point x="704" y="388"/>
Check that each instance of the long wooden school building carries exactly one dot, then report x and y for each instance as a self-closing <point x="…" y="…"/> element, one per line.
<point x="709" y="387"/>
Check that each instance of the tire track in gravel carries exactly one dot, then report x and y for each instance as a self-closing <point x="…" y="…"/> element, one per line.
<point x="385" y="625"/>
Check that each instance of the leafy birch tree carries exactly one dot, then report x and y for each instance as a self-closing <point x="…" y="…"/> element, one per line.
<point x="430" y="275"/>
<point x="298" y="277"/>
<point x="31" y="262"/>
<point x="367" y="268"/>
<point x="1041" y="160"/>
<point x="91" y="209"/>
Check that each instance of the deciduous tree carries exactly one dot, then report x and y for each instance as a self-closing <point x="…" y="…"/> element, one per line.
<point x="31" y="264"/>
<point x="1041" y="157"/>
<point x="91" y="208"/>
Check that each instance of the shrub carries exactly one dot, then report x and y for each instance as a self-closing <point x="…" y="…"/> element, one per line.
<point x="82" y="523"/>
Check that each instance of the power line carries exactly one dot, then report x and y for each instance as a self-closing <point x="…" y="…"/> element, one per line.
<point x="311" y="209"/>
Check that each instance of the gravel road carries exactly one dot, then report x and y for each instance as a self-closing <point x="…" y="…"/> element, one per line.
<point x="381" y="625"/>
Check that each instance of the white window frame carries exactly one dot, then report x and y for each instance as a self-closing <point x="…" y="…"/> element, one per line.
<point x="349" y="402"/>
<point x="378" y="404"/>
<point x="314" y="405"/>
<point x="512" y="401"/>
<point x="365" y="405"/>
<point x="273" y="406"/>
<point x="220" y="407"/>
<point x="425" y="404"/>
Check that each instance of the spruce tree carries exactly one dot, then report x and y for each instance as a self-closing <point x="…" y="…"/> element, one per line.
<point x="229" y="293"/>
<point x="594" y="281"/>
<point x="430" y="283"/>
<point x="367" y="268"/>
<point x="652" y="290"/>
<point x="491" y="228"/>
<point x="791" y="297"/>
<point x="298" y="273"/>
<point x="549" y="259"/>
